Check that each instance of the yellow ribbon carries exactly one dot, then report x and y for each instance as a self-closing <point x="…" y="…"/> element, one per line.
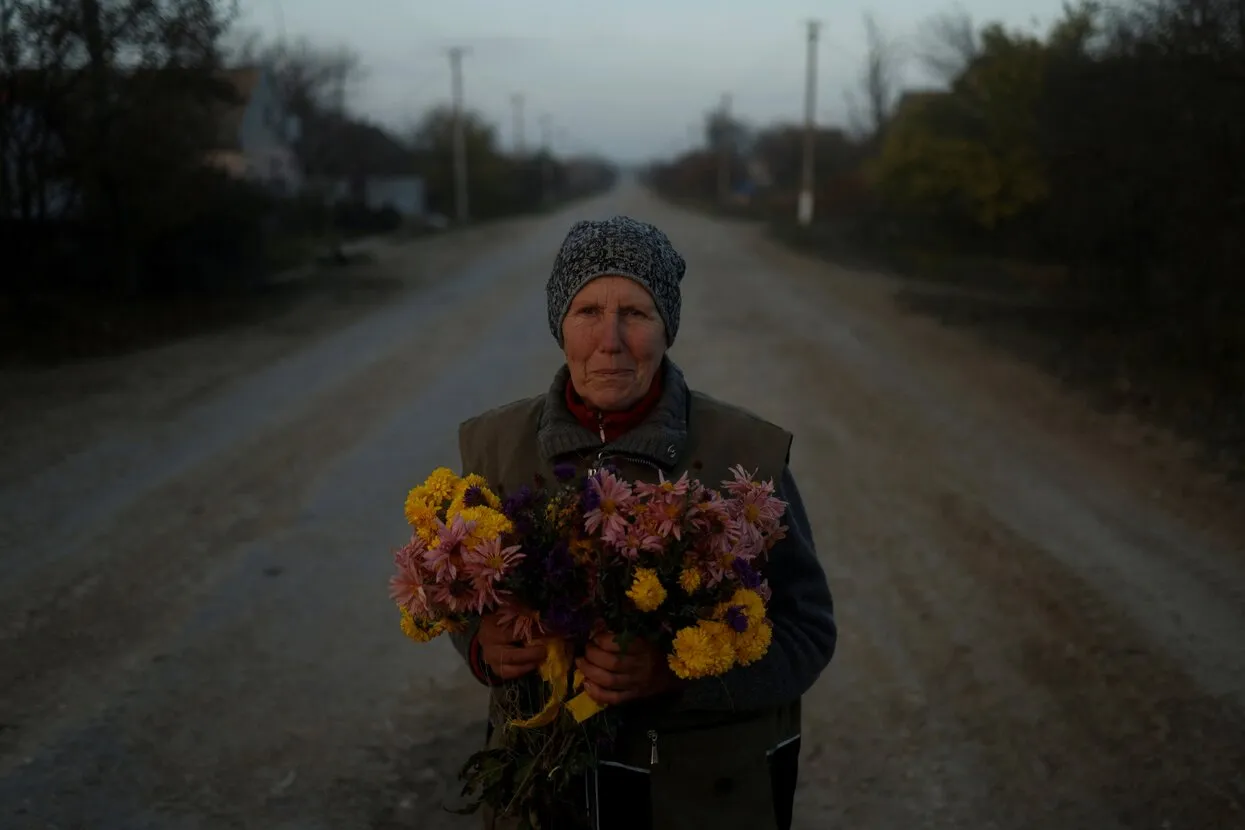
<point x="553" y="670"/>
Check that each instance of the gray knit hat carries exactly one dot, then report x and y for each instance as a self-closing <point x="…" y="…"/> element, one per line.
<point x="623" y="247"/>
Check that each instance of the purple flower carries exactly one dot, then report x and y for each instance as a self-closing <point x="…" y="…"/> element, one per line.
<point x="736" y="619"/>
<point x="564" y="471"/>
<point x="523" y="526"/>
<point x="590" y="498"/>
<point x="513" y="504"/>
<point x="560" y="616"/>
<point x="472" y="497"/>
<point x="559" y="564"/>
<point x="748" y="577"/>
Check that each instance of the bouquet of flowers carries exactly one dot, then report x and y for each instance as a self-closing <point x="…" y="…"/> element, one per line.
<point x="674" y="562"/>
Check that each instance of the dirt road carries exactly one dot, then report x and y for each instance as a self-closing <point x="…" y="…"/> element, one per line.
<point x="1043" y="623"/>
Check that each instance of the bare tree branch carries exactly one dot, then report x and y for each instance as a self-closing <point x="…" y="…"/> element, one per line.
<point x="949" y="43"/>
<point x="880" y="77"/>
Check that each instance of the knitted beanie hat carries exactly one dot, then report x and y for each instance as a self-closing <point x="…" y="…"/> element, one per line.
<point x="622" y="247"/>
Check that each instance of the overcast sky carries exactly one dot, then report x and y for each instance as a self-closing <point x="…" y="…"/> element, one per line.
<point x="624" y="79"/>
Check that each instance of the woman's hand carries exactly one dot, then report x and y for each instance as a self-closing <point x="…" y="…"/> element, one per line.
<point x="611" y="677"/>
<point x="506" y="657"/>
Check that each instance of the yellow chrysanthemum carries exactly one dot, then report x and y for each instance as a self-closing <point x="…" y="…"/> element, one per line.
<point x="646" y="590"/>
<point x="689" y="580"/>
<point x="441" y="484"/>
<point x="421" y="631"/>
<point x="752" y="644"/>
<point x="583" y="549"/>
<point x="419" y="498"/>
<point x="747" y="599"/>
<point x="489" y="523"/>
<point x="421" y="517"/>
<point x="481" y="485"/>
<point x="458" y="505"/>
<point x="704" y="650"/>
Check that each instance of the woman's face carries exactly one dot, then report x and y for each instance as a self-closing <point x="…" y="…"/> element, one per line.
<point x="614" y="341"/>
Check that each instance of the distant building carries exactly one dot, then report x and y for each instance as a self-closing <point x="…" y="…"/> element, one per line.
<point x="355" y="161"/>
<point x="256" y="134"/>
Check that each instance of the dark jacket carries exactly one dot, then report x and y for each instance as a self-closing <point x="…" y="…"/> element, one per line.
<point x="727" y="746"/>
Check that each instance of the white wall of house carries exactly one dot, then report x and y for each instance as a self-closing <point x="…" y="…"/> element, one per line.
<point x="266" y="136"/>
<point x="405" y="194"/>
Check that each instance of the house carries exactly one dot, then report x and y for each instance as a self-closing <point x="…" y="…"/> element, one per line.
<point x="256" y="134"/>
<point x="252" y="135"/>
<point x="354" y="161"/>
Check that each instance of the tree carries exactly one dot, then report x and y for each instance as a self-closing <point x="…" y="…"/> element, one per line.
<point x="494" y="184"/>
<point x="110" y="106"/>
<point x="970" y="155"/>
<point x="879" y="80"/>
<point x="949" y="44"/>
<point x="313" y="79"/>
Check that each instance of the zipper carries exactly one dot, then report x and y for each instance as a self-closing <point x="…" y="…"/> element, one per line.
<point x="652" y="739"/>
<point x="601" y="426"/>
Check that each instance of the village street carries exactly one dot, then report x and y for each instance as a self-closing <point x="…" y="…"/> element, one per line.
<point x="1041" y="618"/>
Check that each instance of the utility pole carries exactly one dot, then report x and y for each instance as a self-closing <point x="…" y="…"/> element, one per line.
<point x="805" y="209"/>
<point x="724" y="150"/>
<point x="517" y="101"/>
<point x="337" y="158"/>
<point x="460" y="138"/>
<point x="546" y="166"/>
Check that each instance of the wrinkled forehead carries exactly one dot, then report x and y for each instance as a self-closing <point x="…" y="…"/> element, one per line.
<point x="613" y="291"/>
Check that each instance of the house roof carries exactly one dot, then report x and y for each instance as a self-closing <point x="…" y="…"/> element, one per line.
<point x="914" y="99"/>
<point x="332" y="146"/>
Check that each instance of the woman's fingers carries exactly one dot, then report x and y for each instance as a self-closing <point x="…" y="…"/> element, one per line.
<point x="601" y="677"/>
<point x="608" y="660"/>
<point x="510" y="662"/>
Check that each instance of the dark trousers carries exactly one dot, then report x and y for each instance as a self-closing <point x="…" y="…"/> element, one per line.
<point x="619" y="799"/>
<point x="616" y="798"/>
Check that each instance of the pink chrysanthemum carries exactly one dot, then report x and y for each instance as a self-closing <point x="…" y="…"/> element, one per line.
<point x="412" y="551"/>
<point x="456" y="595"/>
<point x="664" y="487"/>
<point x="615" y="498"/>
<point x="667" y="506"/>
<point x="406" y="587"/>
<point x="757" y="512"/>
<point x="446" y="558"/>
<point x="630" y="539"/>
<point x="523" y="623"/>
<point x="710" y="514"/>
<point x="485" y="565"/>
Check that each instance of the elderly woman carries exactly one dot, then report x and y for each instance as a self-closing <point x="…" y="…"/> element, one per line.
<point x="718" y="752"/>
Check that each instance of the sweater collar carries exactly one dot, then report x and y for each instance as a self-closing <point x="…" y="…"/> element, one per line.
<point x="659" y="438"/>
<point x="609" y="426"/>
